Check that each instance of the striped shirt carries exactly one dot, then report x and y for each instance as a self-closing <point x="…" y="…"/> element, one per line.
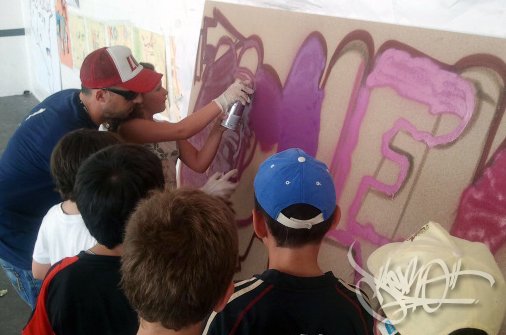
<point x="278" y="303"/>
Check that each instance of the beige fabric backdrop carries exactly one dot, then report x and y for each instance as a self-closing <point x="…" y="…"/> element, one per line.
<point x="408" y="120"/>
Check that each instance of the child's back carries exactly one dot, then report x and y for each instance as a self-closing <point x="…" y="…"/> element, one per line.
<point x="295" y="208"/>
<point x="62" y="232"/>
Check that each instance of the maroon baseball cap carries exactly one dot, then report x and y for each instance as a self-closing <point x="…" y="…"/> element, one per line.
<point x="115" y="66"/>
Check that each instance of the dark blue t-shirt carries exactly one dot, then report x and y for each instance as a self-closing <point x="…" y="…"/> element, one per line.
<point x="27" y="190"/>
<point x="276" y="303"/>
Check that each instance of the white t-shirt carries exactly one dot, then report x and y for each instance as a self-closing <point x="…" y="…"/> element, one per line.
<point x="61" y="235"/>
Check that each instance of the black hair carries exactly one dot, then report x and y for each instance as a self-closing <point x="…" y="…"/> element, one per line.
<point x="110" y="183"/>
<point x="290" y="237"/>
<point x="85" y="90"/>
<point x="147" y="65"/>
<point x="468" y="331"/>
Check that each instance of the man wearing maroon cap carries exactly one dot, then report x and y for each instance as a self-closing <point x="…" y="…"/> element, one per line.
<point x="111" y="82"/>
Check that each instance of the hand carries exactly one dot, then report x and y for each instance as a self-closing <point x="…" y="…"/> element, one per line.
<point x="219" y="184"/>
<point x="237" y="91"/>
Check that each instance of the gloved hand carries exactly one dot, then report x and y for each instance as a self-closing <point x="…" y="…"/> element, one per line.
<point x="219" y="184"/>
<point x="237" y="91"/>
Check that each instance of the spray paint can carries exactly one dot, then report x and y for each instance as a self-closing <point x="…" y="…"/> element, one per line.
<point x="234" y="114"/>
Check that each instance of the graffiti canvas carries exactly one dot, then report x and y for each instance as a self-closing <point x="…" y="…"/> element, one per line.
<point x="408" y="120"/>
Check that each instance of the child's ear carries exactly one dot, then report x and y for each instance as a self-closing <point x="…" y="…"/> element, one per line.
<point x="259" y="224"/>
<point x="223" y="301"/>
<point x="337" y="217"/>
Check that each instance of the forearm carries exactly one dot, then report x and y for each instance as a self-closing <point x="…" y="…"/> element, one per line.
<point x="197" y="160"/>
<point x="195" y="122"/>
<point x="149" y="131"/>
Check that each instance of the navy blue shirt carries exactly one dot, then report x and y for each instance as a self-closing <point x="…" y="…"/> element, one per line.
<point x="276" y="303"/>
<point x="27" y="190"/>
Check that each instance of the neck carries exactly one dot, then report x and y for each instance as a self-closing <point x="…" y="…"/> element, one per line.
<point x="102" y="250"/>
<point x="91" y="109"/>
<point x="301" y="261"/>
<point x="155" y="328"/>
<point x="69" y="207"/>
<point x="143" y="113"/>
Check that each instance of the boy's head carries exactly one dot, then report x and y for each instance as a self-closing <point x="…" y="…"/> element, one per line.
<point x="109" y="185"/>
<point x="71" y="151"/>
<point x="179" y="256"/>
<point x="295" y="194"/>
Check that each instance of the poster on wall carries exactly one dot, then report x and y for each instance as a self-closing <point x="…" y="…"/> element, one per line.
<point x="120" y="34"/>
<point x="409" y="121"/>
<point x="95" y="34"/>
<point x="149" y="47"/>
<point x="72" y="3"/>
<point x="43" y="35"/>
<point x="79" y="39"/>
<point x="62" y="28"/>
<point x="174" y="83"/>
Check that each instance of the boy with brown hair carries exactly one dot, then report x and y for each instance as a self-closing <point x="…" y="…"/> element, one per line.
<point x="62" y="232"/>
<point x="180" y="253"/>
<point x="295" y="208"/>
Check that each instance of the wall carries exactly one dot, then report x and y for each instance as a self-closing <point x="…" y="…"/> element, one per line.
<point x="14" y="65"/>
<point x="179" y="22"/>
<point x="394" y="112"/>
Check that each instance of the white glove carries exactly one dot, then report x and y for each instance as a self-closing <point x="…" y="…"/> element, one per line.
<point x="219" y="184"/>
<point x="237" y="91"/>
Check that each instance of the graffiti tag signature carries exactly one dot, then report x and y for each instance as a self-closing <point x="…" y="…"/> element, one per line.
<point x="413" y="286"/>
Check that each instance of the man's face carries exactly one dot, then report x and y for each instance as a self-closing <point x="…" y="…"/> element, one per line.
<point x="120" y="103"/>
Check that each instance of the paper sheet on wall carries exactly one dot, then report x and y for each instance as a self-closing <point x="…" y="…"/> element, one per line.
<point x="96" y="34"/>
<point x="150" y="47"/>
<point x="174" y="83"/>
<point x="44" y="54"/>
<point x="62" y="28"/>
<point x="79" y="39"/>
<point x="120" y="34"/>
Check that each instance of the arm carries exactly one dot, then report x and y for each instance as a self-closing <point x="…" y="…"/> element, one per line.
<point x="40" y="259"/>
<point x="197" y="160"/>
<point x="39" y="270"/>
<point x="148" y="131"/>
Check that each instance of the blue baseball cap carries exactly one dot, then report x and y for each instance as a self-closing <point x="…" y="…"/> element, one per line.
<point x="293" y="177"/>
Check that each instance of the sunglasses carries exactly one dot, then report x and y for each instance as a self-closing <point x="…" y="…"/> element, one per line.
<point x="128" y="95"/>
